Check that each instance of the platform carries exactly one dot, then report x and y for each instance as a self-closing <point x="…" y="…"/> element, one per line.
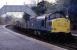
<point x="10" y="40"/>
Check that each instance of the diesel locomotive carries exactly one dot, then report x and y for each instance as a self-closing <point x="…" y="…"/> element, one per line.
<point x="53" y="23"/>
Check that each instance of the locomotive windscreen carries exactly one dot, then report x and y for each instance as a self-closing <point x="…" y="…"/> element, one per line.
<point x="56" y="15"/>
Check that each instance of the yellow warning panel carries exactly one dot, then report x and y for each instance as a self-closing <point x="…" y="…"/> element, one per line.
<point x="61" y="25"/>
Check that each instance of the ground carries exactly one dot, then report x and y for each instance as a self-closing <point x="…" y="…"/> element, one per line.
<point x="10" y="40"/>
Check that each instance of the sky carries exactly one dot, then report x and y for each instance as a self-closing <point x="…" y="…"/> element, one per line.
<point x="20" y="2"/>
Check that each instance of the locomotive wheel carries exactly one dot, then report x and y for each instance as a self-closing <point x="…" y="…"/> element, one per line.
<point x="37" y="33"/>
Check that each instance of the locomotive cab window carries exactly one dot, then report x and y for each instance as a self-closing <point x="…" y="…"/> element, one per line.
<point x="55" y="15"/>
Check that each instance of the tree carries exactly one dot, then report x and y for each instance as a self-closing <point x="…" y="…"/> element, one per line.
<point x="26" y="16"/>
<point x="73" y="13"/>
<point x="41" y="7"/>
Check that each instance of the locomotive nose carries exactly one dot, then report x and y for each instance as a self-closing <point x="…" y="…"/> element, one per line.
<point x="61" y="25"/>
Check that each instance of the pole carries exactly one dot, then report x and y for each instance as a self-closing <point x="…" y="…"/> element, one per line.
<point x="67" y="15"/>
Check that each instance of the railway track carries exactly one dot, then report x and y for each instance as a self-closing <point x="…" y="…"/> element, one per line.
<point x="70" y="45"/>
